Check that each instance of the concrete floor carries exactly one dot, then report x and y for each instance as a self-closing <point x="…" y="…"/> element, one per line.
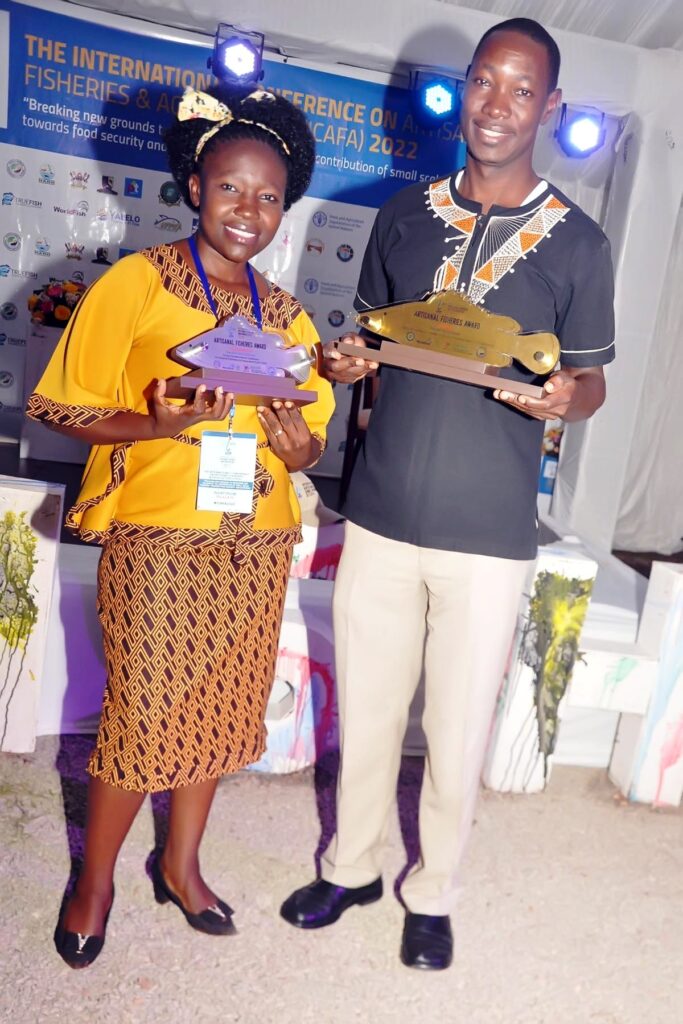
<point x="571" y="912"/>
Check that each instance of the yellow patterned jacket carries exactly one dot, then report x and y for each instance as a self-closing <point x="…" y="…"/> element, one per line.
<point x="113" y="349"/>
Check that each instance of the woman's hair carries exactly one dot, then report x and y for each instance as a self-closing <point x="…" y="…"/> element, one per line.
<point x="272" y="120"/>
<point x="533" y="30"/>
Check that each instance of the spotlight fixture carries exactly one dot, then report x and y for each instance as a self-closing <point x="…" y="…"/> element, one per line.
<point x="580" y="131"/>
<point x="237" y="55"/>
<point x="436" y="97"/>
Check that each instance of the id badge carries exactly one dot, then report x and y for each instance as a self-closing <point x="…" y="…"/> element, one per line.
<point x="227" y="467"/>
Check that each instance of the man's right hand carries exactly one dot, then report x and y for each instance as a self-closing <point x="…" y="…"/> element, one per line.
<point x="341" y="369"/>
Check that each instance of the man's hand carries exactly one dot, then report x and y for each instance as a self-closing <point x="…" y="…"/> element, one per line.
<point x="341" y="369"/>
<point x="571" y="394"/>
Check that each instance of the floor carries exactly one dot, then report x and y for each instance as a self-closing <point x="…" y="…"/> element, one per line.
<point x="570" y="911"/>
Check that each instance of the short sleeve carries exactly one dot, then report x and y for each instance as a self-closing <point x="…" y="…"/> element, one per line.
<point x="85" y="379"/>
<point x="374" y="288"/>
<point x="585" y="325"/>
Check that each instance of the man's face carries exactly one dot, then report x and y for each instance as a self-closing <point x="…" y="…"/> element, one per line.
<point x="506" y="99"/>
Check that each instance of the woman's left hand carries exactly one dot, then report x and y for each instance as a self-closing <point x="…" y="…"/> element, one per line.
<point x="288" y="435"/>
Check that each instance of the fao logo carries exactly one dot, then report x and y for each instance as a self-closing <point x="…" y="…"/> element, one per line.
<point x="345" y="253"/>
<point x="319" y="219"/>
<point x="311" y="285"/>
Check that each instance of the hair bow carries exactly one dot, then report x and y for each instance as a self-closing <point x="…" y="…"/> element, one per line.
<point x="200" y="104"/>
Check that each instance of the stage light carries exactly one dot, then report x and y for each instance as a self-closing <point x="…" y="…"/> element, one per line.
<point x="581" y="131"/>
<point x="237" y="55"/>
<point x="436" y="98"/>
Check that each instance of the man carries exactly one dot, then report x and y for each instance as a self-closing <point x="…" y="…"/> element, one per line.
<point x="442" y="506"/>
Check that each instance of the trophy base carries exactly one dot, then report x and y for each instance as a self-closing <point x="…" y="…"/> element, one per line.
<point x="248" y="388"/>
<point x="436" y="364"/>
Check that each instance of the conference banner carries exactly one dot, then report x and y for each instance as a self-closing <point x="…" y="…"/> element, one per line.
<point x="84" y="181"/>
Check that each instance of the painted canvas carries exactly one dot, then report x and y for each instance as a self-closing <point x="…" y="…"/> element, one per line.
<point x="30" y="522"/>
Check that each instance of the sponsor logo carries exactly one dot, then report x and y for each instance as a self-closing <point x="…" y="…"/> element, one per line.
<point x="7" y="339"/>
<point x="169" y="194"/>
<point x="319" y="219"/>
<point x="12" y="241"/>
<point x="132" y="188"/>
<point x="102" y="257"/>
<point x="7" y="271"/>
<point x="315" y="245"/>
<point x="119" y="217"/>
<point x="107" y="186"/>
<point x="74" y="251"/>
<point x="46" y="175"/>
<point x="103" y="213"/>
<point x="345" y="253"/>
<point x="79" y="179"/>
<point x="77" y="276"/>
<point x="42" y="247"/>
<point x="195" y="224"/>
<point x="8" y="198"/>
<point x="6" y="379"/>
<point x="8" y="311"/>
<point x="79" y="210"/>
<point x="16" y="168"/>
<point x="311" y="285"/>
<point x="165" y="223"/>
<point x="335" y="318"/>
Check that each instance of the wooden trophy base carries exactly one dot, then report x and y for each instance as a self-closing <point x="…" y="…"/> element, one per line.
<point x="438" y="364"/>
<point x="248" y="388"/>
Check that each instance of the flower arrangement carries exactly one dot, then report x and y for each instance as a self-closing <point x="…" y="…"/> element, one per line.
<point x="53" y="304"/>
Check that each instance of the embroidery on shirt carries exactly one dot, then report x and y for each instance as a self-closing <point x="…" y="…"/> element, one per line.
<point x="505" y="241"/>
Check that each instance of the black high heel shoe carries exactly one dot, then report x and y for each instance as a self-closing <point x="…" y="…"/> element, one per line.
<point x="215" y="920"/>
<point x="76" y="949"/>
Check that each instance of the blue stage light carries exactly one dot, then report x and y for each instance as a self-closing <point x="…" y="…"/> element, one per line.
<point x="579" y="132"/>
<point x="237" y="55"/>
<point x="436" y="98"/>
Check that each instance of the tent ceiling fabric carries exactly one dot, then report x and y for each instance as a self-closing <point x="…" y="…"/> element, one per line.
<point x="648" y="23"/>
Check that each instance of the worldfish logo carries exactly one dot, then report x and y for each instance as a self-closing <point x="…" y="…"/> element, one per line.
<point x="79" y="210"/>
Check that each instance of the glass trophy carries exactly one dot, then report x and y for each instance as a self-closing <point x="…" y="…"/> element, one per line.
<point x="256" y="366"/>
<point x="447" y="335"/>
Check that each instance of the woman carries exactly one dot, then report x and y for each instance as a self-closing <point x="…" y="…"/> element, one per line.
<point x="190" y="593"/>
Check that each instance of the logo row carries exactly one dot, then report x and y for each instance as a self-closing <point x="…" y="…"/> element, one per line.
<point x="132" y="188"/>
<point x="163" y="221"/>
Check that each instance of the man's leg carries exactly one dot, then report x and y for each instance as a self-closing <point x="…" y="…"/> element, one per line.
<point x="380" y="603"/>
<point x="473" y="608"/>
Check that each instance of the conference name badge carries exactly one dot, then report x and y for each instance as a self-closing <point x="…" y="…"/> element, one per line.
<point x="227" y="468"/>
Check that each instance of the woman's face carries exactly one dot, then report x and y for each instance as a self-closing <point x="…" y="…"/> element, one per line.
<point x="240" y="192"/>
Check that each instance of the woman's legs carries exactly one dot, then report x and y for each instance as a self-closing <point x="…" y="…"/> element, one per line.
<point x="190" y="806"/>
<point x="111" y="812"/>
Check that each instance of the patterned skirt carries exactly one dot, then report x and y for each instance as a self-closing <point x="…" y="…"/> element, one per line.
<point x="190" y="642"/>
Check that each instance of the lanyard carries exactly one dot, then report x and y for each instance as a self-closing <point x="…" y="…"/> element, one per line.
<point x="209" y="297"/>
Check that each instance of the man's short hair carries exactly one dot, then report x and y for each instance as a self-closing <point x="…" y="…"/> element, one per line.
<point x="534" y="30"/>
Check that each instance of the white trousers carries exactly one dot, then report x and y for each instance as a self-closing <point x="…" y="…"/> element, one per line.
<point x="399" y="608"/>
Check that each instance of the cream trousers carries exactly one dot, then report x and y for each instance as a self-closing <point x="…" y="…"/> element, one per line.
<point x="399" y="609"/>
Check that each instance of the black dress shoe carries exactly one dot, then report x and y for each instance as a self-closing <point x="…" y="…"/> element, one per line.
<point x="78" y="950"/>
<point x="321" y="903"/>
<point x="215" y="920"/>
<point x="427" y="942"/>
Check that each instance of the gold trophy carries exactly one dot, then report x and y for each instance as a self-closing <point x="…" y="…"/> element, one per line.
<point x="447" y="335"/>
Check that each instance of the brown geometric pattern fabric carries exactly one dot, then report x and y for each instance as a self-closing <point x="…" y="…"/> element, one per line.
<point x="41" y="408"/>
<point x="278" y="307"/>
<point x="190" y="642"/>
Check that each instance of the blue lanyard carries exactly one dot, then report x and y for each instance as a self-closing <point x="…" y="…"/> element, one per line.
<point x="209" y="297"/>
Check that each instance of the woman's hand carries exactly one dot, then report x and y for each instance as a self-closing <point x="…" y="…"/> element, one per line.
<point x="288" y="435"/>
<point x="170" y="419"/>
